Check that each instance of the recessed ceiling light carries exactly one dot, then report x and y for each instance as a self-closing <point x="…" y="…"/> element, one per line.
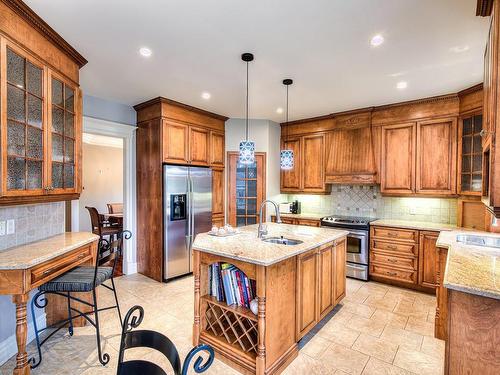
<point x="459" y="49"/>
<point x="402" y="85"/>
<point x="206" y="95"/>
<point x="279" y="110"/>
<point x="377" y="40"/>
<point x="146" y="52"/>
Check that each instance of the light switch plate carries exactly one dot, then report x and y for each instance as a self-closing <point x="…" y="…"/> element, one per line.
<point x="11" y="226"/>
<point x="2" y="228"/>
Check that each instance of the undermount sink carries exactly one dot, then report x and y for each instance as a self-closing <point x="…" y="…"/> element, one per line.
<point x="475" y="240"/>
<point x="282" y="241"/>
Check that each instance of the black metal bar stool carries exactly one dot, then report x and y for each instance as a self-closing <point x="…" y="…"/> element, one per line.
<point x="78" y="280"/>
<point x="155" y="340"/>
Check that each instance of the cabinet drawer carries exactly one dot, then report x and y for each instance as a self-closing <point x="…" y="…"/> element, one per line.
<point x="395" y="248"/>
<point x="388" y="272"/>
<point x="55" y="267"/>
<point x="308" y="222"/>
<point x="287" y="220"/>
<point x="391" y="260"/>
<point x="406" y="235"/>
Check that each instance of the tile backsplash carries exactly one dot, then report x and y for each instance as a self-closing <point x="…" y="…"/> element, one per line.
<point x="367" y="201"/>
<point x="32" y="222"/>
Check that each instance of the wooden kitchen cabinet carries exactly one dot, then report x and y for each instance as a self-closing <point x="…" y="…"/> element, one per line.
<point x="291" y="180"/>
<point x="217" y="149"/>
<point x="218" y="196"/>
<point x="199" y="146"/>
<point x="427" y="259"/>
<point x="308" y="173"/>
<point x="470" y="155"/>
<point x="398" y="159"/>
<point x="175" y="142"/>
<point x="41" y="113"/>
<point x="321" y="284"/>
<point x="436" y="157"/>
<point x="298" y="221"/>
<point x="441" y="319"/>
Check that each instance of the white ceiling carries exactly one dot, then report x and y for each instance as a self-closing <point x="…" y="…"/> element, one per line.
<point x="324" y="45"/>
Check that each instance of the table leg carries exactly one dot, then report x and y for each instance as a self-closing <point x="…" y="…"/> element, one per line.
<point x="22" y="366"/>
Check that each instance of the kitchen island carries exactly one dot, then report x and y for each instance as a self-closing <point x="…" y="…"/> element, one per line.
<point x="296" y="286"/>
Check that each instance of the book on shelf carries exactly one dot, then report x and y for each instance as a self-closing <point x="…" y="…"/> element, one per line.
<point x="229" y="284"/>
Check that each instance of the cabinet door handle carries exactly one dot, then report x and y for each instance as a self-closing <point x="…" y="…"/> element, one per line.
<point x="81" y="256"/>
<point x="392" y="273"/>
<point x="392" y="247"/>
<point x="46" y="272"/>
<point x="391" y="234"/>
<point x="392" y="260"/>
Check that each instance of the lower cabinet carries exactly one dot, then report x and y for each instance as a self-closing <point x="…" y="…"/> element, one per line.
<point x="294" y="221"/>
<point x="441" y="319"/>
<point x="406" y="257"/>
<point x="320" y="284"/>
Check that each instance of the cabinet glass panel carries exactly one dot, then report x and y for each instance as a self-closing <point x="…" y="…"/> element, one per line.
<point x="63" y="135"/>
<point x="25" y="106"/>
<point x="471" y="154"/>
<point x="246" y="193"/>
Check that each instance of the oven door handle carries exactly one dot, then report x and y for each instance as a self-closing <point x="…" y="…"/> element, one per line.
<point x="356" y="267"/>
<point x="358" y="236"/>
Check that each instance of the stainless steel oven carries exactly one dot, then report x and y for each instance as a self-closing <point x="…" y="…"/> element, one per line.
<point x="358" y="243"/>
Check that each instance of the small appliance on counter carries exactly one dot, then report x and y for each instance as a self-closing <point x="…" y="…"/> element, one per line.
<point x="290" y="207"/>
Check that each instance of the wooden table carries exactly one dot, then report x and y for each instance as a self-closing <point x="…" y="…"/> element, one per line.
<point x="24" y="268"/>
<point x="116" y="217"/>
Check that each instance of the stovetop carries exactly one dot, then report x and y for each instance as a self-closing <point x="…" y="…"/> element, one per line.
<point x="347" y="221"/>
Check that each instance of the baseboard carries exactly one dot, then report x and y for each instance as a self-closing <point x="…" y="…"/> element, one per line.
<point x="129" y="268"/>
<point x="8" y="347"/>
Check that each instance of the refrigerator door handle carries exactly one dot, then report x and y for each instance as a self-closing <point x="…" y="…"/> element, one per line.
<point x="189" y="203"/>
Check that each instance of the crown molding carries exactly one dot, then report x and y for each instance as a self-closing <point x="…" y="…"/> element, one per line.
<point x="34" y="20"/>
<point x="471" y="89"/>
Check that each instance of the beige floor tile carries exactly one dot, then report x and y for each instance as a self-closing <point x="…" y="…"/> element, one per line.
<point x="402" y="337"/>
<point x="418" y="362"/>
<point x="411" y="309"/>
<point x="377" y="367"/>
<point x="304" y="364"/>
<point x="316" y="346"/>
<point x="384" y="302"/>
<point x="341" y="316"/>
<point x="423" y="328"/>
<point x="366" y="325"/>
<point x="376" y="347"/>
<point x="341" y="358"/>
<point x="433" y="346"/>
<point x="358" y="309"/>
<point x="395" y="320"/>
<point x="337" y="332"/>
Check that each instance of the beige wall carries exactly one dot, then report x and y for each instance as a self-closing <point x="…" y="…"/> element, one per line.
<point x="102" y="180"/>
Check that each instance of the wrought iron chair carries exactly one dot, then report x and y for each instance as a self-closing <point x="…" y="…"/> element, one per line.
<point x="78" y="280"/>
<point x="155" y="340"/>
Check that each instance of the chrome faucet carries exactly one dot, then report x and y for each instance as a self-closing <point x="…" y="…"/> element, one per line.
<point x="262" y="231"/>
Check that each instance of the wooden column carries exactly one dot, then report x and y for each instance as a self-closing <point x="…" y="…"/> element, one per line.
<point x="260" y="365"/>
<point x="22" y="366"/>
<point x="196" y="272"/>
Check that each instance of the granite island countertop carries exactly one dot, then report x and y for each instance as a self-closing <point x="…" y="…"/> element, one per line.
<point x="471" y="269"/>
<point x="33" y="253"/>
<point x="245" y="246"/>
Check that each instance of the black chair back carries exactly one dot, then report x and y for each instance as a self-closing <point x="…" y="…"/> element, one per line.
<point x="157" y="341"/>
<point x="109" y="251"/>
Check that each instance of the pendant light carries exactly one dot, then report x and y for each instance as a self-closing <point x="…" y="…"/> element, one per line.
<point x="247" y="148"/>
<point x="286" y="155"/>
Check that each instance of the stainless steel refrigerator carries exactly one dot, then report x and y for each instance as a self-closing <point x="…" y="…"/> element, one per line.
<point x="187" y="206"/>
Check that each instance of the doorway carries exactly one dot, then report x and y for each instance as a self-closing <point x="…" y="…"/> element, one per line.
<point x="246" y="188"/>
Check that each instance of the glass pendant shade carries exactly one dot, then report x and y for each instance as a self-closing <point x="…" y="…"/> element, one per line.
<point x="247" y="152"/>
<point x="286" y="159"/>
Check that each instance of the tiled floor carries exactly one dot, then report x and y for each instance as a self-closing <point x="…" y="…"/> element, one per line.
<point x="378" y="329"/>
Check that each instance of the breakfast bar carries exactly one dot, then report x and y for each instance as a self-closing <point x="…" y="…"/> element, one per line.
<point x="296" y="285"/>
<point x="24" y="268"/>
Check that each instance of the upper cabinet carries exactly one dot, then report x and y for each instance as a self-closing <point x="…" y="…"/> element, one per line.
<point x="436" y="157"/>
<point x="308" y="172"/>
<point x="398" y="159"/>
<point x="470" y="160"/>
<point x="40" y="111"/>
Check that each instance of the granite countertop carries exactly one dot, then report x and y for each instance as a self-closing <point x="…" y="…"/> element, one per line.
<point x="33" y="253"/>
<point x="421" y="225"/>
<point x="307" y="216"/>
<point x="246" y="247"/>
<point x="471" y="269"/>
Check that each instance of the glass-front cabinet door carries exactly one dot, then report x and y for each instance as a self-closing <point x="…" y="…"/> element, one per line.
<point x="23" y="132"/>
<point x="470" y="160"/>
<point x="62" y="135"/>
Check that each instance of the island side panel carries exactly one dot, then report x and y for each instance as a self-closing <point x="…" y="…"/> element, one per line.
<point x="280" y="292"/>
<point x="197" y="297"/>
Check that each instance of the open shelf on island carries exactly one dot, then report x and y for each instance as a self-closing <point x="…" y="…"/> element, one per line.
<point x="236" y="325"/>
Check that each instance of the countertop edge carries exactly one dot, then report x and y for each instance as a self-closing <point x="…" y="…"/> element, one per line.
<point x="459" y="287"/>
<point x="63" y="250"/>
<point x="266" y="264"/>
